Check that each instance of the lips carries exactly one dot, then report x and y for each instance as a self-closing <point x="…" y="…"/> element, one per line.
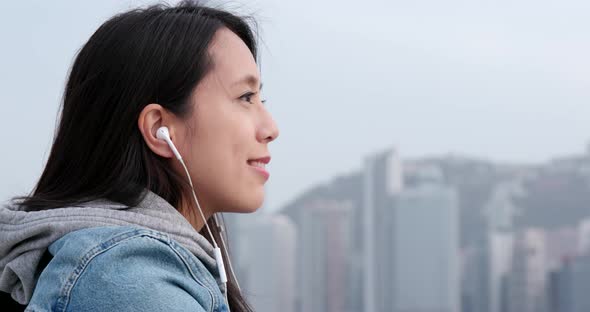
<point x="264" y="160"/>
<point x="259" y="165"/>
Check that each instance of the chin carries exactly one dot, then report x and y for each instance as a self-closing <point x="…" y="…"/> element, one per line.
<point x="246" y="202"/>
<point x="253" y="206"/>
<point x="250" y="205"/>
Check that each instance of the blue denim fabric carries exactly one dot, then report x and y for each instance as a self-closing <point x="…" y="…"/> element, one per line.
<point x="122" y="268"/>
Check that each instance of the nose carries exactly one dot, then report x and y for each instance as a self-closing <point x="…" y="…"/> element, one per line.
<point x="268" y="130"/>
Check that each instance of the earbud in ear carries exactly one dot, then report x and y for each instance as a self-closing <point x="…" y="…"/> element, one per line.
<point x="164" y="134"/>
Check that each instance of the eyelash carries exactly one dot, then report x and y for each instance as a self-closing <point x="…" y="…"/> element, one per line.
<point x="247" y="97"/>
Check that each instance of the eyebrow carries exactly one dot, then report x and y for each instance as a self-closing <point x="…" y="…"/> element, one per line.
<point x="250" y="80"/>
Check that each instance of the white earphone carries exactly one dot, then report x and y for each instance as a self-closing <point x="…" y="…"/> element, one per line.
<point x="163" y="134"/>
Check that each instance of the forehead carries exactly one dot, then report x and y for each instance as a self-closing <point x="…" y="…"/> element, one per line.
<point x="232" y="60"/>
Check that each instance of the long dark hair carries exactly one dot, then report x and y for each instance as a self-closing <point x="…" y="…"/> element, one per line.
<point x="158" y="55"/>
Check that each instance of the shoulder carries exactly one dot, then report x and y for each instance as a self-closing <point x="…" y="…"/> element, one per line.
<point x="123" y="269"/>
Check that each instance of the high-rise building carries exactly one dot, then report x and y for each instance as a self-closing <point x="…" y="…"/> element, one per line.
<point x="560" y="243"/>
<point x="500" y="251"/>
<point x="569" y="284"/>
<point x="474" y="286"/>
<point x="559" y="289"/>
<point x="426" y="250"/>
<point x="266" y="262"/>
<point x="500" y="211"/>
<point x="580" y="283"/>
<point x="382" y="179"/>
<point x="323" y="255"/>
<point x="527" y="280"/>
<point x="583" y="239"/>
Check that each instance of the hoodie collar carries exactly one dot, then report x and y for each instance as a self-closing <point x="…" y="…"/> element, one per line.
<point x="25" y="236"/>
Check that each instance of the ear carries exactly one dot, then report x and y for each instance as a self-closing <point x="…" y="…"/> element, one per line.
<point x="150" y="119"/>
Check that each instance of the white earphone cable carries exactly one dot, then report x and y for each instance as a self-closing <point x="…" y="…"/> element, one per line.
<point x="218" y="260"/>
<point x="223" y="240"/>
<point x="197" y="202"/>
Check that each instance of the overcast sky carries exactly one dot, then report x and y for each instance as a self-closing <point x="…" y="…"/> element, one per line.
<point x="498" y="80"/>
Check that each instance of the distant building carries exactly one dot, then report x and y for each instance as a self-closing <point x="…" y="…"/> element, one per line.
<point x="475" y="278"/>
<point x="382" y="178"/>
<point x="323" y="255"/>
<point x="580" y="283"/>
<point x="559" y="289"/>
<point x="528" y="278"/>
<point x="426" y="250"/>
<point x="266" y="254"/>
<point x="500" y="211"/>
<point x="561" y="243"/>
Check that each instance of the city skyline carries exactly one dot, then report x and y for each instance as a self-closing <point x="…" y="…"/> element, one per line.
<point x="504" y="81"/>
<point x="397" y="225"/>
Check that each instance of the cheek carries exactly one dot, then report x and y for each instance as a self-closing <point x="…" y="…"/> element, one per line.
<point x="220" y="153"/>
<point x="238" y="186"/>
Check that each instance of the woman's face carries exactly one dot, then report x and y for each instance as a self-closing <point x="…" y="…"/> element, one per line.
<point x="226" y="139"/>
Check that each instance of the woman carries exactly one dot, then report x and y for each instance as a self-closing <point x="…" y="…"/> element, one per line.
<point x="112" y="224"/>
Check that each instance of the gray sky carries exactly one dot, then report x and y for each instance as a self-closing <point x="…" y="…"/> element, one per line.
<point x="505" y="81"/>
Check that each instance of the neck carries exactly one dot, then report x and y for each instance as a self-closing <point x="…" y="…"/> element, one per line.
<point x="188" y="208"/>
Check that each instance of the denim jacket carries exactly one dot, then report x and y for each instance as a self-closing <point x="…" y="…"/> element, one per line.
<point x="108" y="257"/>
<point x="124" y="269"/>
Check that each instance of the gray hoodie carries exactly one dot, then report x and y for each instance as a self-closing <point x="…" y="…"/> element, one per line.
<point x="25" y="236"/>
